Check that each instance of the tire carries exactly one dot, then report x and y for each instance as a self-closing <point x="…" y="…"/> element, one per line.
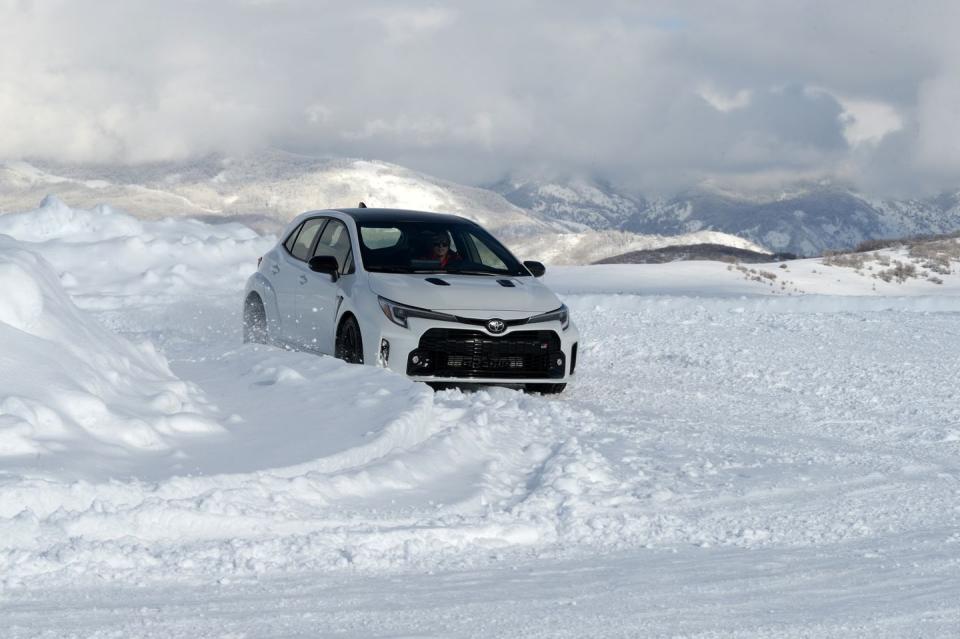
<point x="545" y="389"/>
<point x="254" y="321"/>
<point x="349" y="345"/>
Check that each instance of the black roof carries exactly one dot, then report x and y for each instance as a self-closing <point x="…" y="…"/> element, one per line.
<point x="394" y="215"/>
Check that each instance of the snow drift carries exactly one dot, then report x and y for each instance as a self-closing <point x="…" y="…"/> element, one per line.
<point x="70" y="388"/>
<point x="108" y="259"/>
<point x="719" y="411"/>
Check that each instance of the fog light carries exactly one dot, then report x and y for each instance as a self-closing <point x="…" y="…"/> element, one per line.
<point x="559" y="362"/>
<point x="415" y="359"/>
<point x="384" y="351"/>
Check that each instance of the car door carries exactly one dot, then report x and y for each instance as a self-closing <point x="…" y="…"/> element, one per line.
<point x="320" y="297"/>
<point x="290" y="274"/>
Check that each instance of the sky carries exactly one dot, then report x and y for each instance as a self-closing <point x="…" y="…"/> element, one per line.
<point x="652" y="96"/>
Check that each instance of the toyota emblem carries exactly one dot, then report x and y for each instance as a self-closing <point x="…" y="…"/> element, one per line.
<point x="496" y="326"/>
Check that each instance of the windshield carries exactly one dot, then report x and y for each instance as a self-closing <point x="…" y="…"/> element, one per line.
<point x="399" y="246"/>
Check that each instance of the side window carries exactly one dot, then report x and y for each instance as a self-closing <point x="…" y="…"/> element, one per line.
<point x="288" y="244"/>
<point x="335" y="241"/>
<point x="301" y="247"/>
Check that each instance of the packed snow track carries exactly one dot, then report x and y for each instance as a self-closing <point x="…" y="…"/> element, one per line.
<point x="729" y="463"/>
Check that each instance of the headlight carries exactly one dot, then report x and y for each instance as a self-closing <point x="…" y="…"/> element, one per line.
<point x="561" y="315"/>
<point x="398" y="313"/>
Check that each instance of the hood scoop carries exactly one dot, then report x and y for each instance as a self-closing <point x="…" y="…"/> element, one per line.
<point x="437" y="281"/>
<point x="506" y="283"/>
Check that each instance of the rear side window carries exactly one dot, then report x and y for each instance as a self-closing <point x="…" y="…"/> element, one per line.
<point x="304" y="242"/>
<point x="288" y="244"/>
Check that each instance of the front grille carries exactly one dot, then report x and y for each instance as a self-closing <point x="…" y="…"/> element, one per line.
<point x="483" y="322"/>
<point x="460" y="353"/>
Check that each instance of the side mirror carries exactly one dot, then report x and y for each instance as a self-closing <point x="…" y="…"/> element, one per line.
<point x="536" y="269"/>
<point x="325" y="264"/>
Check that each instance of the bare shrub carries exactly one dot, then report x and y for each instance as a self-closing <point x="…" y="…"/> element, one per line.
<point x="867" y="246"/>
<point x="936" y="255"/>
<point x="849" y="260"/>
<point x="900" y="271"/>
<point x="881" y="243"/>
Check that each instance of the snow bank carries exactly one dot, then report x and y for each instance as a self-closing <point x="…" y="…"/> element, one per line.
<point x="70" y="389"/>
<point x="106" y="258"/>
<point x="714" y="407"/>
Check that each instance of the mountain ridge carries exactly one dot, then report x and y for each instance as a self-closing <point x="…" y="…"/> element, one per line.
<point x="266" y="190"/>
<point x="804" y="218"/>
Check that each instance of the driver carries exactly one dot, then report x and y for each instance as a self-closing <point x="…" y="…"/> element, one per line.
<point x="441" y="250"/>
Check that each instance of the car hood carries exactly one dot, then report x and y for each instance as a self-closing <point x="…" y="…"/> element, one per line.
<point x="465" y="292"/>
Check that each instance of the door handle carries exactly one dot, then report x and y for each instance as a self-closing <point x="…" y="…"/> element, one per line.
<point x="303" y="279"/>
<point x="274" y="268"/>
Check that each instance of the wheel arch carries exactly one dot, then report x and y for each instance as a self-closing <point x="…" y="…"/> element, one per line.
<point x="370" y="333"/>
<point x="262" y="287"/>
<point x="253" y="297"/>
<point x="343" y="318"/>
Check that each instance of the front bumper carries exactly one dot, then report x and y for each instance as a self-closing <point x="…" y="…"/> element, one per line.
<point x="437" y="351"/>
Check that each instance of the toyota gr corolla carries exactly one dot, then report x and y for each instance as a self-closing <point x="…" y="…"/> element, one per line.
<point x="432" y="296"/>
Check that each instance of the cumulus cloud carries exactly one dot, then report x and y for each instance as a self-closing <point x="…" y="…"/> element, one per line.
<point x="656" y="96"/>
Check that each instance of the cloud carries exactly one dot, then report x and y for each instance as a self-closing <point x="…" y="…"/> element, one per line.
<point x="867" y="121"/>
<point x="725" y="102"/>
<point x="406" y="24"/>
<point x="656" y="96"/>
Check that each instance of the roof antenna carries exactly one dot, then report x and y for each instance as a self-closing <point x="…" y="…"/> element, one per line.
<point x="361" y="205"/>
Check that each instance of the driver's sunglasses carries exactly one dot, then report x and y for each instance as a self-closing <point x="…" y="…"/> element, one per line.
<point x="442" y="243"/>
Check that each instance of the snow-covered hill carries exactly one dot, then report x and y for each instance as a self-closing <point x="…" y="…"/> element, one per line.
<point x="586" y="247"/>
<point x="578" y="202"/>
<point x="267" y="189"/>
<point x="730" y="433"/>
<point x="805" y="220"/>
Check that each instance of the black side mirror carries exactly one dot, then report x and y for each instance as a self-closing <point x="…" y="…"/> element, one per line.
<point x="536" y="269"/>
<point x="325" y="264"/>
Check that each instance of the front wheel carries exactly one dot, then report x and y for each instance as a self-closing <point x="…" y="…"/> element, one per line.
<point x="545" y="389"/>
<point x="254" y="321"/>
<point x="349" y="345"/>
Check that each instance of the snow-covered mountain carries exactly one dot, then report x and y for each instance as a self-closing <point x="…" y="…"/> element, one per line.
<point x="578" y="202"/>
<point x="806" y="220"/>
<point x="267" y="189"/>
<point x="587" y="247"/>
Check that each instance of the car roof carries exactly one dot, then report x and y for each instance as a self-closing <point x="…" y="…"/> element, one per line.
<point x="395" y="215"/>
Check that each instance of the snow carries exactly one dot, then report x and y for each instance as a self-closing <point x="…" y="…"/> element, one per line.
<point x="741" y="456"/>
<point x="268" y="189"/>
<point x="590" y="246"/>
<point x="70" y="388"/>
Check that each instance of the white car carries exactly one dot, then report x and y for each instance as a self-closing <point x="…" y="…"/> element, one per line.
<point x="428" y="295"/>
